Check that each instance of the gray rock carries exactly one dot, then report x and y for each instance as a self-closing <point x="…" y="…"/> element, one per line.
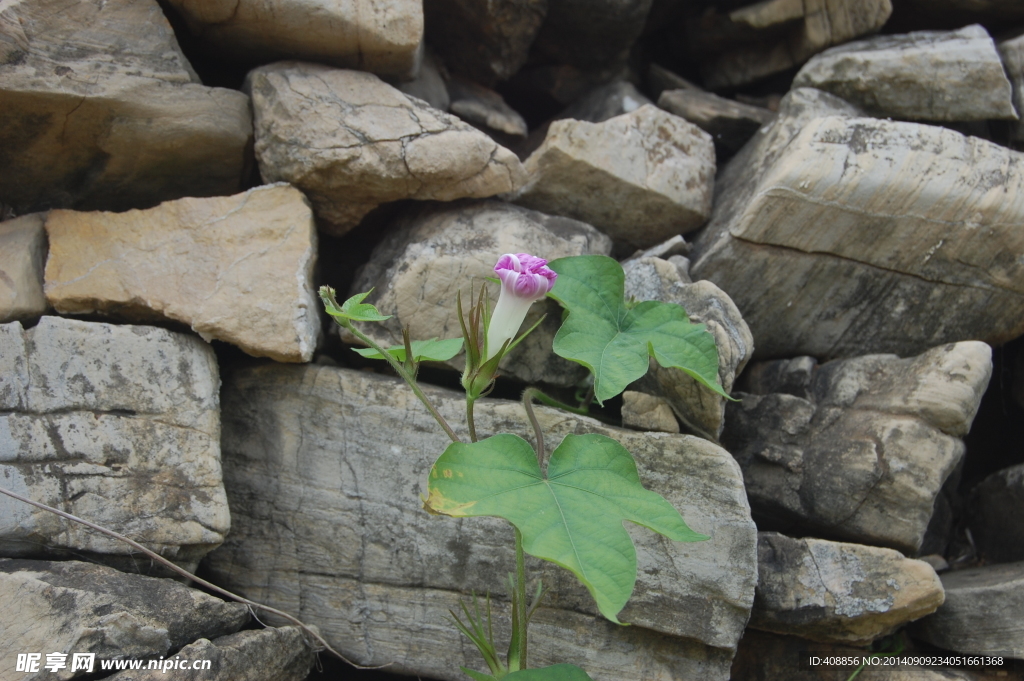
<point x="351" y="142"/>
<point x="927" y="75"/>
<point x="607" y="101"/>
<point x="862" y="452"/>
<point x="75" y="607"/>
<point x="641" y="411"/>
<point x="262" y="655"/>
<point x="701" y="410"/>
<point x="995" y="508"/>
<point x="437" y="251"/>
<point x="640" y="178"/>
<point x="103" y="421"/>
<point x="835" y="592"/>
<point x="660" y="79"/>
<point x="838" y="236"/>
<point x="1011" y="51"/>
<point x="102" y="110"/>
<point x="22" y="258"/>
<point x="485" y="41"/>
<point x="589" y="34"/>
<point x="983" y="613"/>
<point x="428" y="84"/>
<point x="344" y="542"/>
<point x="484" y="108"/>
<point x="729" y="123"/>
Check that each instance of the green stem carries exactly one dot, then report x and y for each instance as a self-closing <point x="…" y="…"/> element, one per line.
<point x="400" y="370"/>
<point x="552" y="402"/>
<point x="524" y="615"/>
<point x="528" y="396"/>
<point x="469" y="418"/>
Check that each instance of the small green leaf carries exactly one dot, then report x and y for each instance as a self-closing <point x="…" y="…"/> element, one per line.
<point x="477" y="676"/>
<point x="572" y="518"/>
<point x="432" y="350"/>
<point x="614" y="339"/>
<point x="556" y="672"/>
<point x="353" y="309"/>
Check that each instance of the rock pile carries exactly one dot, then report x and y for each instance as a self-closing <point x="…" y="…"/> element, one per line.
<point x="833" y="188"/>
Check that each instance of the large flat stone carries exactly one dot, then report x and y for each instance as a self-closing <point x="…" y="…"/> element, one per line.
<point x="351" y="142"/>
<point x="22" y="258"/>
<point x="379" y="36"/>
<point x="237" y="269"/>
<point x="855" y="449"/>
<point x="118" y="425"/>
<point x="838" y="236"/>
<point x="343" y="542"/>
<point x="99" y="109"/>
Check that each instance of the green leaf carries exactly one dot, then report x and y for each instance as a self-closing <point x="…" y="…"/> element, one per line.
<point x="614" y="339"/>
<point x="353" y="309"/>
<point x="556" y="672"/>
<point x="432" y="350"/>
<point x="573" y="517"/>
<point x="477" y="676"/>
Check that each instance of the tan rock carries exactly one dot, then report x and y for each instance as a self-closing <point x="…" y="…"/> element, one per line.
<point x="641" y="411"/>
<point x="484" y="108"/>
<point x="102" y="110"/>
<point x="352" y="142"/>
<point x="640" y="178"/>
<point x="237" y="269"/>
<point x="379" y="36"/>
<point x="729" y="123"/>
<point x="22" y="258"/>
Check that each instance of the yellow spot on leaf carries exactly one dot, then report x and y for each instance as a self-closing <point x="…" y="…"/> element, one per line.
<point x="447" y="472"/>
<point x="438" y="504"/>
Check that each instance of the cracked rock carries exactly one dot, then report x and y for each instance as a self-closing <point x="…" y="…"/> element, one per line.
<point x="834" y="592"/>
<point x="838" y="235"/>
<point x="856" y="449"/>
<point x="436" y="251"/>
<point x="926" y="75"/>
<point x="74" y="607"/>
<point x="102" y="421"/>
<point x="351" y="142"/>
<point x="22" y="258"/>
<point x="236" y="269"/>
<point x="640" y="178"/>
<point x="345" y="541"/>
<point x="101" y="110"/>
<point x="379" y="36"/>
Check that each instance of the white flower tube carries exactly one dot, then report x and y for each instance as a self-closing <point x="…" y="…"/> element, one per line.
<point x="525" y="279"/>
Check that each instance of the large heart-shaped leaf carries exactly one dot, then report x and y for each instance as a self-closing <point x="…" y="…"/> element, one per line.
<point x="614" y="339"/>
<point x="573" y="517"/>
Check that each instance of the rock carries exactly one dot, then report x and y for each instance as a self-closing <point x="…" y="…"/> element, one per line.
<point x="640" y="178"/>
<point x="101" y="110"/>
<point x="843" y="593"/>
<point x="838" y="236"/>
<point x="74" y="607"/>
<point x="436" y="251"/>
<point x="379" y="36"/>
<point x="22" y="258"/>
<point x="765" y="38"/>
<point x="641" y="411"/>
<point x="261" y="655"/>
<point x="729" y="123"/>
<point x="589" y="34"/>
<point x="607" y="101"/>
<point x="995" y="508"/>
<point x="484" y="108"/>
<point x="982" y="614"/>
<point x="350" y="550"/>
<point x="237" y="269"/>
<point x="862" y="452"/>
<point x="428" y="84"/>
<point x="701" y="411"/>
<point x="351" y="142"/>
<point x="484" y="41"/>
<point x="660" y="79"/>
<point x="1012" y="53"/>
<point x="118" y="425"/>
<point x="926" y="75"/>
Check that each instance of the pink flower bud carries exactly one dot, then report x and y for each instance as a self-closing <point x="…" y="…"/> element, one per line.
<point x="524" y="280"/>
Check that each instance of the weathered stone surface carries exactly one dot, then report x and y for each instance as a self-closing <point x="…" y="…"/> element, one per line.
<point x="75" y="607"/>
<point x="641" y="411"/>
<point x="926" y="75"/>
<point x="838" y="236"/>
<point x="99" y="109"/>
<point x="983" y="612"/>
<point x="769" y="37"/>
<point x="349" y="549"/>
<point x="857" y="449"/>
<point x="1012" y="53"/>
<point x="589" y="34"/>
<point x="352" y="142"/>
<point x="484" y="108"/>
<point x="237" y="269"/>
<point x="115" y="424"/>
<point x="835" y="592"/>
<point x="485" y="41"/>
<point x="640" y="178"/>
<point x="995" y="509"/>
<point x="22" y="258"/>
<point x="428" y="84"/>
<point x="729" y="123"/>
<point x="262" y="655"/>
<point x="700" y="410"/>
<point x="436" y="251"/>
<point x="379" y="36"/>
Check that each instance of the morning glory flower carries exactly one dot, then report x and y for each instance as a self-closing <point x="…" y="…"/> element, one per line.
<point x="525" y="279"/>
